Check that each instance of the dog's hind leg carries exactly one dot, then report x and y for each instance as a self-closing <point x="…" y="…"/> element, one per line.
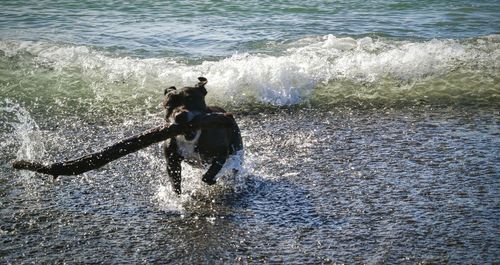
<point x="217" y="163"/>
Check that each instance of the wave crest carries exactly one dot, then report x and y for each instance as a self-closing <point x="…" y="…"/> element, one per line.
<point x="323" y="70"/>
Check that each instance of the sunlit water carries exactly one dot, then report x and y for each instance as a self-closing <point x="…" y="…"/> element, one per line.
<point x="397" y="186"/>
<point x="371" y="131"/>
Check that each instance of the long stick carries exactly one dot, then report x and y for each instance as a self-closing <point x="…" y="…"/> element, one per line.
<point x="124" y="147"/>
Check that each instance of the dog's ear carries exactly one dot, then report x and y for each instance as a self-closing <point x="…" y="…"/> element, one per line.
<point x="201" y="84"/>
<point x="203" y="81"/>
<point x="168" y="90"/>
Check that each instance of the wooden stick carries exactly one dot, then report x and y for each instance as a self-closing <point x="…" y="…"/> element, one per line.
<point x="124" y="147"/>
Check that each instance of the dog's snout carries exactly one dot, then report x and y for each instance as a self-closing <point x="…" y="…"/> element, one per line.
<point x="183" y="117"/>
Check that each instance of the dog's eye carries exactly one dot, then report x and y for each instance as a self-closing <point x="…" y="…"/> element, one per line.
<point x="173" y="99"/>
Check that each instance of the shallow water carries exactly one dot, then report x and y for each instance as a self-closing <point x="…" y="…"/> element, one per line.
<point x="371" y="131"/>
<point x="394" y="186"/>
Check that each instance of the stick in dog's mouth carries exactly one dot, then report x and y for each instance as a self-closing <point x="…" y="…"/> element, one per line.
<point x="124" y="147"/>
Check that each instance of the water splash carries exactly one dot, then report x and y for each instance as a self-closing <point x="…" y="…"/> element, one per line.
<point x="231" y="178"/>
<point x="25" y="132"/>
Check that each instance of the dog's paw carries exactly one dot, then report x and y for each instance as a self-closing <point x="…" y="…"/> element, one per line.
<point x="209" y="180"/>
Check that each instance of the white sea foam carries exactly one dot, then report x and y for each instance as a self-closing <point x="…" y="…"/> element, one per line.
<point x="288" y="77"/>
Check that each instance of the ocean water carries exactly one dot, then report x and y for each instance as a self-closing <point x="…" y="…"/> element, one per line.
<point x="371" y="131"/>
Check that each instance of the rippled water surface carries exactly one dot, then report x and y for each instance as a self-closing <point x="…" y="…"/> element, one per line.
<point x="395" y="186"/>
<point x="194" y="28"/>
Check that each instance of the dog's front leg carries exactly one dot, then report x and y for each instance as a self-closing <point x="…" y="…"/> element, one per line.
<point x="217" y="163"/>
<point x="173" y="166"/>
<point x="174" y="172"/>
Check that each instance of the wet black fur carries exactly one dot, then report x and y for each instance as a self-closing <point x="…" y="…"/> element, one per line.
<point x="214" y="144"/>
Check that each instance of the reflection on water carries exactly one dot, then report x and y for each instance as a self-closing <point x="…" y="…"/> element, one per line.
<point x="385" y="186"/>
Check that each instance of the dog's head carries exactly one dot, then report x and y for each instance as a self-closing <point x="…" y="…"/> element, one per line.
<point x="182" y="105"/>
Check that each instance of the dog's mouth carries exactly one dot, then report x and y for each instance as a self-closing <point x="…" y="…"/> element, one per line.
<point x="190" y="135"/>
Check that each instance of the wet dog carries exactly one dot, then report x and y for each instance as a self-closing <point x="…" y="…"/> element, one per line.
<point x="209" y="146"/>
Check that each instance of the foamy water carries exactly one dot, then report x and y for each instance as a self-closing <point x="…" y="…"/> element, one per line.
<point x="341" y="68"/>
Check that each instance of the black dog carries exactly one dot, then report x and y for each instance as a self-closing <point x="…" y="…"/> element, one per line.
<point x="205" y="146"/>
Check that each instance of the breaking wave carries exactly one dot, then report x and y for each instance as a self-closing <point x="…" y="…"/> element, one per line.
<point x="316" y="71"/>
